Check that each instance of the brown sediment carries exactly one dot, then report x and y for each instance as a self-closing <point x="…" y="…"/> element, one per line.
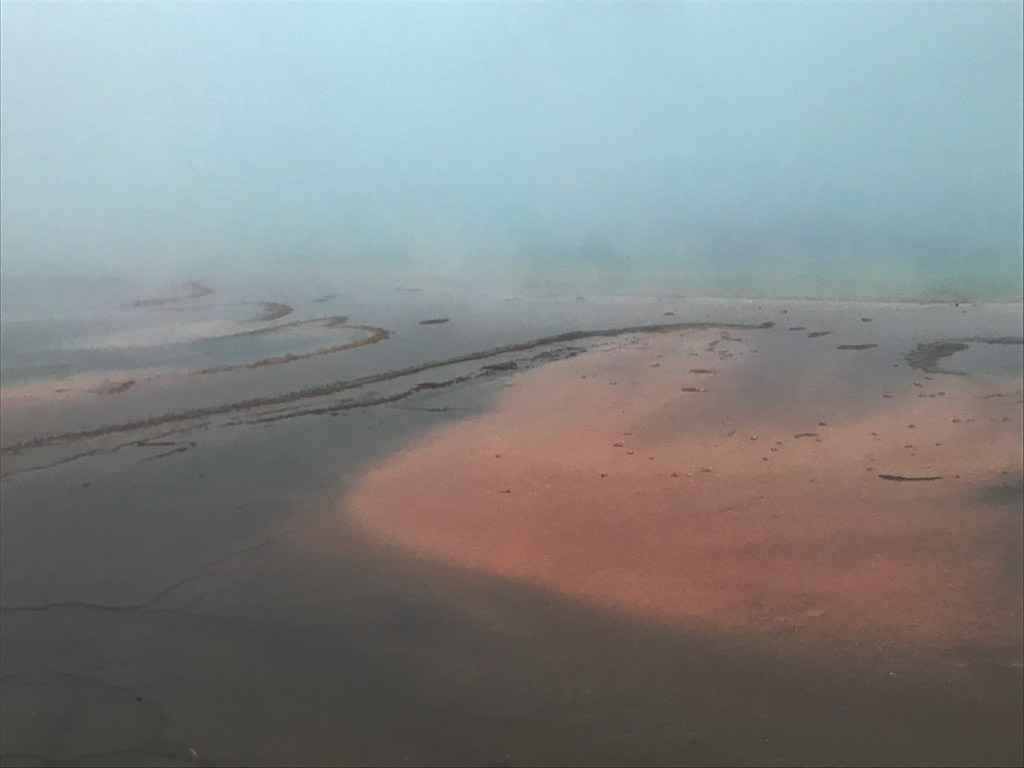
<point x="1002" y="394"/>
<point x="376" y="335"/>
<point x="165" y="454"/>
<point x="434" y="321"/>
<point x="151" y="442"/>
<point x="702" y="370"/>
<point x="805" y="434"/>
<point x="342" y="385"/>
<point x="369" y="402"/>
<point x="335" y="321"/>
<point x="113" y="387"/>
<point x="272" y="310"/>
<point x="1012" y="340"/>
<point x="926" y="356"/>
<point x="195" y="291"/>
<point x="905" y="479"/>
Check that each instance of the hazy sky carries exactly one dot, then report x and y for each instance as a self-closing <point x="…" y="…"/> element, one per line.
<point x="879" y="137"/>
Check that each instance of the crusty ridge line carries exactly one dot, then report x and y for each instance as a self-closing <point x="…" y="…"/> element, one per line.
<point x="339" y="386"/>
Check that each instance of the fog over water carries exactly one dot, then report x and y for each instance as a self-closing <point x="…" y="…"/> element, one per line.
<point x="848" y="150"/>
<point x="511" y="383"/>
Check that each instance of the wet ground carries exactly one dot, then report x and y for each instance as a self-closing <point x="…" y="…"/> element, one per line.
<point x="188" y="579"/>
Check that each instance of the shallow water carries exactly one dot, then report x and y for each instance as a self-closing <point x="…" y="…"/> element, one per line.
<point x="200" y="562"/>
